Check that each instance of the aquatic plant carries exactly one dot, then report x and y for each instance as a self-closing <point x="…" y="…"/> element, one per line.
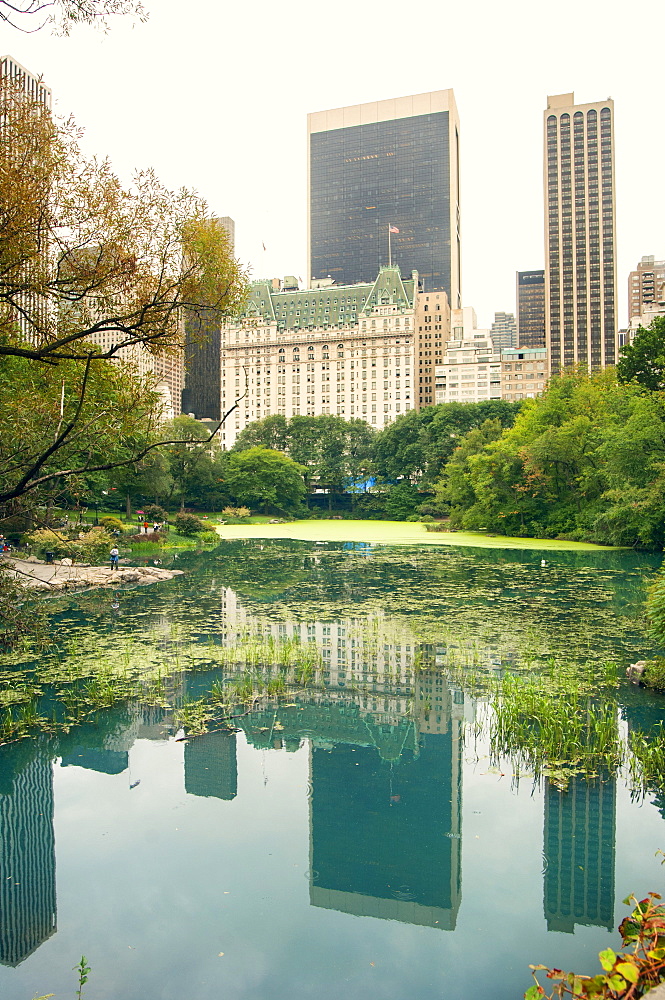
<point x="628" y="974"/>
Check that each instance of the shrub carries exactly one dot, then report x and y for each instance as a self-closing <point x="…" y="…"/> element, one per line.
<point x="188" y="525"/>
<point x="236" y="513"/>
<point x="412" y="517"/>
<point x="427" y="519"/>
<point x="654" y="674"/>
<point x="43" y="540"/>
<point x="209" y="537"/>
<point x="154" y="512"/>
<point x="95" y="546"/>
<point x="154" y="538"/>
<point x="437" y="526"/>
<point x="111" y="523"/>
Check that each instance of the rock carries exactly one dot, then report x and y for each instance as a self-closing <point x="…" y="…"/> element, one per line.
<point x="635" y="671"/>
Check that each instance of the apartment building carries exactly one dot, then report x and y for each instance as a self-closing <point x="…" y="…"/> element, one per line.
<point x="432" y="336"/>
<point x="646" y="287"/>
<point x="471" y="366"/>
<point x="524" y="372"/>
<point x="347" y="350"/>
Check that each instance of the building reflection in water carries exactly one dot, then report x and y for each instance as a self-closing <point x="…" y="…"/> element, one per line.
<point x="211" y="768"/>
<point x="579" y="839"/>
<point x="27" y="851"/>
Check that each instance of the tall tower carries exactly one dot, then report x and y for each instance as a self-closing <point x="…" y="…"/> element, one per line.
<point x="580" y="233"/>
<point x="531" y="308"/>
<point x="388" y="165"/>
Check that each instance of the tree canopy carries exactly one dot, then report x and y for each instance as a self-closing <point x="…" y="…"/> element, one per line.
<point x="261" y="476"/>
<point x="90" y="272"/>
<point x="63" y="15"/>
<point x="643" y="360"/>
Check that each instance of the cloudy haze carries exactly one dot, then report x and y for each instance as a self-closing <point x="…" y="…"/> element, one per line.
<point x="215" y="96"/>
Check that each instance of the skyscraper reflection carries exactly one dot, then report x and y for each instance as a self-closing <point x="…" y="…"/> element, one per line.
<point x="27" y="852"/>
<point x="579" y="847"/>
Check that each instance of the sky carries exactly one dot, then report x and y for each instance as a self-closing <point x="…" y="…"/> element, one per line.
<point x="214" y="96"/>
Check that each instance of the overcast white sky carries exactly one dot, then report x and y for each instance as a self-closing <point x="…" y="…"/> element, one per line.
<point x="215" y="96"/>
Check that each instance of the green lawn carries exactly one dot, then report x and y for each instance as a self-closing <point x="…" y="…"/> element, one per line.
<point x="393" y="533"/>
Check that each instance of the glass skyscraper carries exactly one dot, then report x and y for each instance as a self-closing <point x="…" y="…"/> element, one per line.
<point x="384" y="188"/>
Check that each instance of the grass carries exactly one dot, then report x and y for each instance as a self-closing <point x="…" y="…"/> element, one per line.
<point x="395" y="533"/>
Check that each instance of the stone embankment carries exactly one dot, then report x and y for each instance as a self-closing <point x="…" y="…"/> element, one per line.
<point x="54" y="577"/>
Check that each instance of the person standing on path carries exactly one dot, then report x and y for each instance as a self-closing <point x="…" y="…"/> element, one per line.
<point x="114" y="556"/>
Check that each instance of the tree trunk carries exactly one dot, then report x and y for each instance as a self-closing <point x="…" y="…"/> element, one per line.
<point x="128" y="507"/>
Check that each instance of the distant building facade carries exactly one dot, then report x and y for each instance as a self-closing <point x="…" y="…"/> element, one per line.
<point x="201" y="393"/>
<point x="524" y="372"/>
<point x="392" y="163"/>
<point x="471" y="366"/>
<point x="580" y="233"/>
<point x="32" y="85"/>
<point x="345" y="350"/>
<point x="646" y="287"/>
<point x="504" y="330"/>
<point x="432" y="336"/>
<point x="530" y="309"/>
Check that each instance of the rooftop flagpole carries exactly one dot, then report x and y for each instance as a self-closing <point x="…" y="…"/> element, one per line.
<point x="391" y="229"/>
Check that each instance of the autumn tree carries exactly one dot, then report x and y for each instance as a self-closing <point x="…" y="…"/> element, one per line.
<point x="91" y="272"/>
<point x="63" y="15"/>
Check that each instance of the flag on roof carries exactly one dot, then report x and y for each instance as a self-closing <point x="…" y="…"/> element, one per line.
<point x="393" y="229"/>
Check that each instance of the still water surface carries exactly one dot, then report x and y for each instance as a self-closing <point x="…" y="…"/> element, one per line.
<point x="349" y="840"/>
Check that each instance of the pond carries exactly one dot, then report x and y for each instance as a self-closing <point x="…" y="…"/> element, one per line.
<point x="353" y="834"/>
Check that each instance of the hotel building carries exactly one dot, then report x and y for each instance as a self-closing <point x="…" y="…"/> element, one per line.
<point x="580" y="233"/>
<point x="386" y="165"/>
<point x="345" y="350"/>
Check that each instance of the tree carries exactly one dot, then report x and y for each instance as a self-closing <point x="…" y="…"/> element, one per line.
<point x="89" y="268"/>
<point x="643" y="360"/>
<point x="91" y="271"/>
<point x="62" y="15"/>
<point x="262" y="476"/>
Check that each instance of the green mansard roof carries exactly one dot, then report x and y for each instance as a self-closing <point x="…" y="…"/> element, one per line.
<point x="334" y="306"/>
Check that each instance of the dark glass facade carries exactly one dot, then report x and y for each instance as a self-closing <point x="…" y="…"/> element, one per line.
<point x="367" y="177"/>
<point x="203" y="373"/>
<point x="531" y="308"/>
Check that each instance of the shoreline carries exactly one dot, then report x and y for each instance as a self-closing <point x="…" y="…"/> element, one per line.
<point x="398" y="533"/>
<point x="54" y="577"/>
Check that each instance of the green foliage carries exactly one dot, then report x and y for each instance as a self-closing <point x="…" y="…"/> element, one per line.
<point x="236" y="513"/>
<point x="111" y="523"/>
<point x="154" y="512"/>
<point x="188" y="524"/>
<point x="643" y="360"/>
<point x="22" y="616"/>
<point x="261" y="476"/>
<point x="402" y="501"/>
<point x="331" y="450"/>
<point x="654" y="674"/>
<point x="92" y="548"/>
<point x="84" y="971"/>
<point x="656" y="607"/>
<point x="630" y="973"/>
<point x="421" y="442"/>
<point x="584" y="461"/>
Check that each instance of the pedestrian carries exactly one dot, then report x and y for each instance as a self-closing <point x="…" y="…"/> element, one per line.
<point x="155" y="526"/>
<point x="145" y="527"/>
<point x="114" y="556"/>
